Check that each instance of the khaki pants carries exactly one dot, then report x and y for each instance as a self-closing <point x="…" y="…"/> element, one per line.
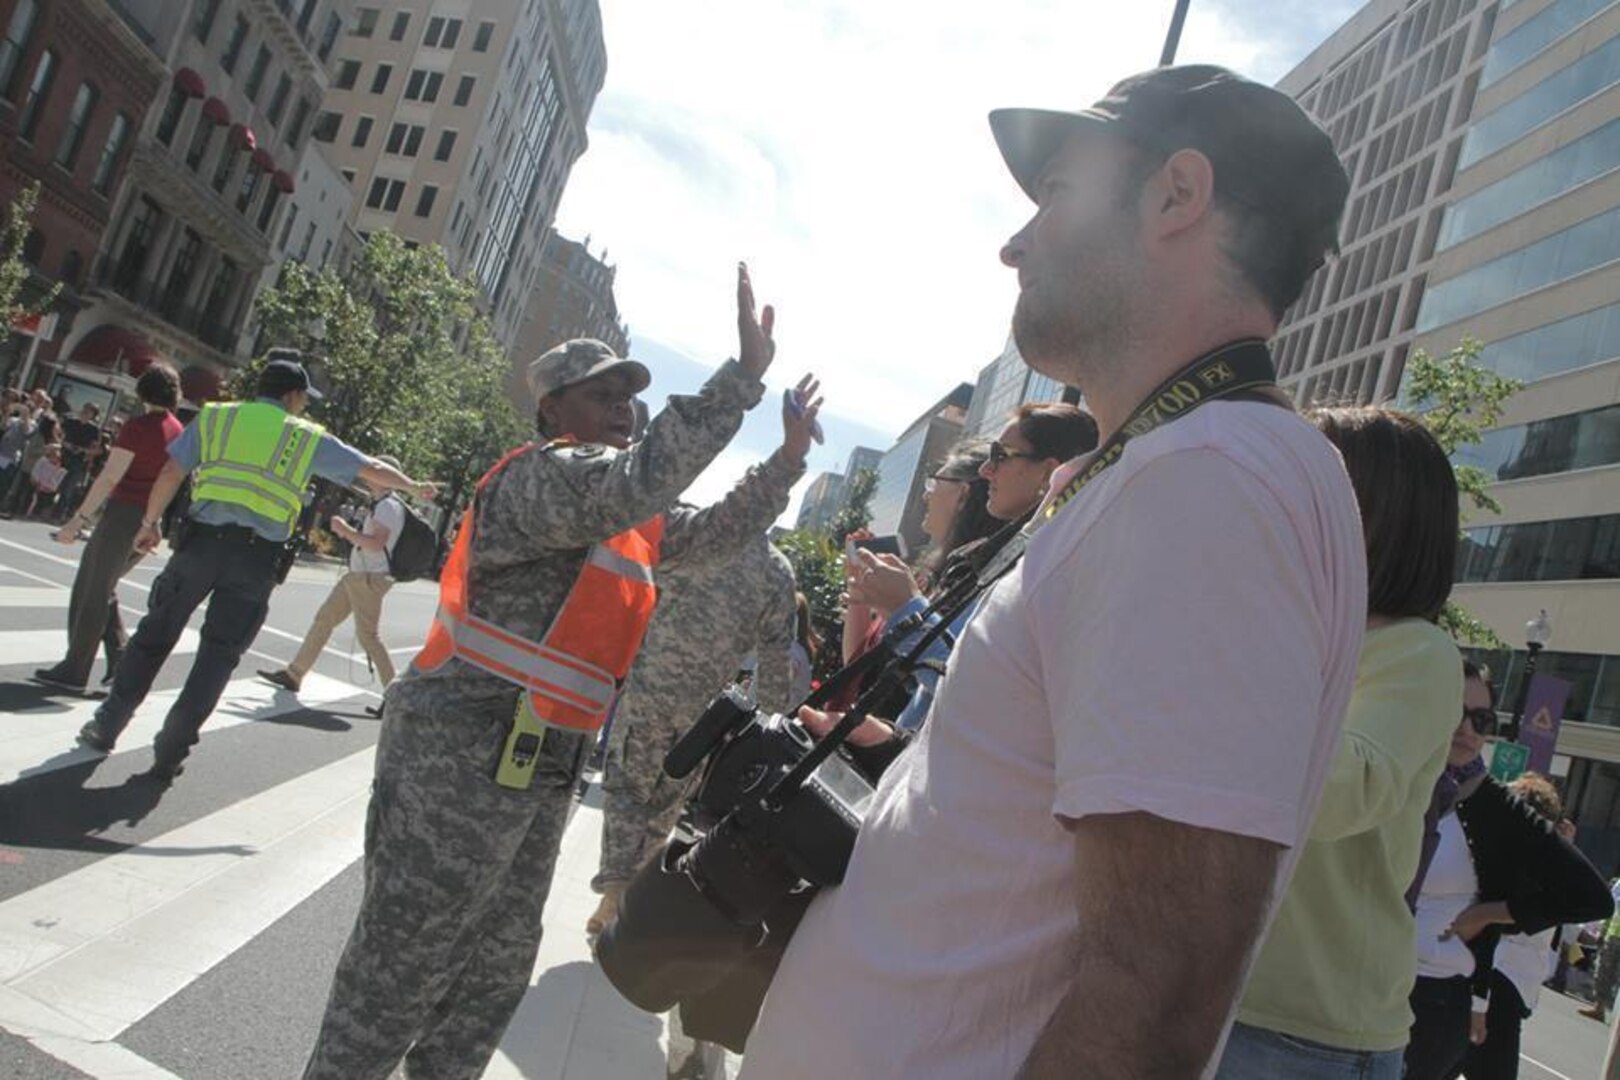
<point x="360" y="595"/>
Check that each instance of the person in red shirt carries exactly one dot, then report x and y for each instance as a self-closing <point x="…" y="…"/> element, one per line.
<point x="133" y="464"/>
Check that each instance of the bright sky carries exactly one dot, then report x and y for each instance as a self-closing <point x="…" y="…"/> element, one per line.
<point x="841" y="147"/>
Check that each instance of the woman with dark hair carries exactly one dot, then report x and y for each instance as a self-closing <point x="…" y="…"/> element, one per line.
<point x="1039" y="437"/>
<point x="1328" y="993"/>
<point x="1497" y="867"/>
<point x="132" y="465"/>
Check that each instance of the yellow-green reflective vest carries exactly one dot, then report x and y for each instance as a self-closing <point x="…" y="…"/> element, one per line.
<point x="256" y="456"/>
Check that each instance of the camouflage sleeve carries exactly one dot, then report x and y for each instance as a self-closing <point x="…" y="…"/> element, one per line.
<point x="746" y="511"/>
<point x="773" y="677"/>
<point x="572" y="497"/>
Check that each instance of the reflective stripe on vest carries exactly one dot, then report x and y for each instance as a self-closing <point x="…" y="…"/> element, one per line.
<point x="256" y="456"/>
<point x="572" y="674"/>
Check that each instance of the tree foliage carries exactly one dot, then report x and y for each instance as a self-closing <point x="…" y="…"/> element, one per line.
<point x="1459" y="401"/>
<point x="14" y="270"/>
<point x="818" y="564"/>
<point x="856" y="513"/>
<point x="410" y="366"/>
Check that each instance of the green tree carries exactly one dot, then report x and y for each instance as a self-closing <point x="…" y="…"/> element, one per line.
<point x="818" y="564"/>
<point x="15" y="273"/>
<point x="411" y="367"/>
<point x="856" y="513"/>
<point x="1459" y="401"/>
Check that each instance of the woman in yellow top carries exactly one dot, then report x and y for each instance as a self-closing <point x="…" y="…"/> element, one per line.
<point x="1328" y="993"/>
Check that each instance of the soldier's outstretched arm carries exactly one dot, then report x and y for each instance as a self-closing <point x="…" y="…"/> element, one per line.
<point x="759" y="498"/>
<point x="577" y="496"/>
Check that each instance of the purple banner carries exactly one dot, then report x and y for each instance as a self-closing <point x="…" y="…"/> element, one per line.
<point x="1543" y="712"/>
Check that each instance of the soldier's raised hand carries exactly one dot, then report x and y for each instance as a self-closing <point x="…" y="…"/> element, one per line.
<point x="755" y="347"/>
<point x="799" y="428"/>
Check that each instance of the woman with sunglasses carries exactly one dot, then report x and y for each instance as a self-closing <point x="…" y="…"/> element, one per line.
<point x="1497" y="867"/>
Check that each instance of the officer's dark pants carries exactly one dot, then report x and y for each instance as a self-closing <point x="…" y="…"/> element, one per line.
<point x="234" y="569"/>
<point x="457" y="871"/>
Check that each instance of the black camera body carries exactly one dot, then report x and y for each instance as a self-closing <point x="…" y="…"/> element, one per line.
<point x="810" y="831"/>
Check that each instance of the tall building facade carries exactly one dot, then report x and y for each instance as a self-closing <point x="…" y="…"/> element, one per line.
<point x="76" y="79"/>
<point x="821" y="503"/>
<point x="1004" y="384"/>
<point x="212" y="174"/>
<point x="458" y="123"/>
<point x="1508" y="234"/>
<point x="897" y="504"/>
<point x="1395" y="87"/>
<point x="572" y="298"/>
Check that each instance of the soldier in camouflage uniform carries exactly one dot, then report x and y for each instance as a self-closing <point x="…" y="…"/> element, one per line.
<point x="711" y="614"/>
<point x="457" y="867"/>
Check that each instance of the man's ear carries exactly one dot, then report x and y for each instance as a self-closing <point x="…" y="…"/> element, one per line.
<point x="1184" y="192"/>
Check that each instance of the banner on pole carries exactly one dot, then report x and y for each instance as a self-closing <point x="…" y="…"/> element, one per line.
<point x="1543" y="713"/>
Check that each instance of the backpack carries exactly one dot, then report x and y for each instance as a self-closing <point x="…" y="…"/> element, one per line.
<point x="415" y="552"/>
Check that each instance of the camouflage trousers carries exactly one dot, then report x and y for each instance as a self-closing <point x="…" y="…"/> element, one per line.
<point x="639" y="803"/>
<point x="457" y="870"/>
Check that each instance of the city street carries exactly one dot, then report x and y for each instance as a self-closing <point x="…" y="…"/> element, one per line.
<point x="192" y="933"/>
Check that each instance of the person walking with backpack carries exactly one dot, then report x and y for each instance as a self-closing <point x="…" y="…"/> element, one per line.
<point x="359" y="592"/>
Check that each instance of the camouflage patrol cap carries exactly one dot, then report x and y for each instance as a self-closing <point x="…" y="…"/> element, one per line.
<point x="575" y="361"/>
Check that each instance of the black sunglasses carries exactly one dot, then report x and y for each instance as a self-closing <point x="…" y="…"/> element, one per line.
<point x="1484" y="720"/>
<point x="999" y="454"/>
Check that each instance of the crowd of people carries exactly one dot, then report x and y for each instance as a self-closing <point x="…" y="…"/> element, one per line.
<point x="1198" y="747"/>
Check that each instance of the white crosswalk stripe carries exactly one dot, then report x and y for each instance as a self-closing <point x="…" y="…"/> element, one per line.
<point x="34" y="741"/>
<point x="48" y="646"/>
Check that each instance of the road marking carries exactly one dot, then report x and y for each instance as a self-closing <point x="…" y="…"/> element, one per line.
<point x="92" y="952"/>
<point x="33" y="596"/>
<point x="1548" y="1069"/>
<point x="35" y="741"/>
<point x="49" y="646"/>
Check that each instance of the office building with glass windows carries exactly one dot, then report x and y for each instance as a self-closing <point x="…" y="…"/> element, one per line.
<point x="1004" y="384"/>
<point x="459" y="124"/>
<point x="1515" y="220"/>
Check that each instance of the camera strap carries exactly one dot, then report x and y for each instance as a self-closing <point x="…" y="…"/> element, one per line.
<point x="1231" y="371"/>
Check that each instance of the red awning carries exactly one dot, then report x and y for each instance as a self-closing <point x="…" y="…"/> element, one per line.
<point x="284" y="181"/>
<point x="217" y="111"/>
<point x="200" y="384"/>
<point x="242" y="135"/>
<point x="190" y="83"/>
<point x="108" y="346"/>
<point x="262" y="158"/>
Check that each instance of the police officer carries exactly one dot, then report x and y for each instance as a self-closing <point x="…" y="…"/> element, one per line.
<point x="543" y="603"/>
<point x="251" y="462"/>
<point x="711" y="614"/>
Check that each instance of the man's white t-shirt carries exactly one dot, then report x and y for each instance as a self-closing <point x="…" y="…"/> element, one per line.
<point x="1180" y="639"/>
<point x="390" y="514"/>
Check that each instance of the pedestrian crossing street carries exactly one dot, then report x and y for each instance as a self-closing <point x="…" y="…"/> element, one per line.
<point x="126" y="912"/>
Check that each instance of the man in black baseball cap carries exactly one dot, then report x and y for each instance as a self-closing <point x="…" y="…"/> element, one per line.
<point x="1068" y="875"/>
<point x="284" y="373"/>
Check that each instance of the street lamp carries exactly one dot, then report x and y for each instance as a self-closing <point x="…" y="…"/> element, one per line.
<point x="1537" y="633"/>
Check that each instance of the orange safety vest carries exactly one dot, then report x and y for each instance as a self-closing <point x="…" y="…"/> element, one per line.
<point x="571" y="674"/>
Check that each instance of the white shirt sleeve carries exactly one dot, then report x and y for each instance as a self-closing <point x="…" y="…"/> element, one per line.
<point x="1198" y="695"/>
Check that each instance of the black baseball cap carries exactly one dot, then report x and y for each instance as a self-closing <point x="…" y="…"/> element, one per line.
<point x="1267" y="153"/>
<point x="283" y="373"/>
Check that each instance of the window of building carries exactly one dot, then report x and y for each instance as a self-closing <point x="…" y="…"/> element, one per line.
<point x="1558" y="257"/>
<point x="169" y="121"/>
<point x="250" y="185"/>
<point x="435" y="29"/>
<point x="1592" y="73"/>
<point x="348" y="73"/>
<point x="220" y="289"/>
<point x="255" y="79"/>
<point x="267" y="210"/>
<point x="287" y="227"/>
<point x="278" y="100"/>
<point x="447" y="144"/>
<point x="334" y="27"/>
<point x="1583" y="440"/>
<point x="464" y="89"/>
<point x="402" y="20"/>
<point x="441" y="33"/>
<point x="348" y="176"/>
<point x="379" y="78"/>
<point x="107" y="164"/>
<point x="486" y="30"/>
<point x="385" y="194"/>
<point x="362" y="131"/>
<point x="300" y="116"/>
<point x="233" y="45"/>
<point x="1510" y="51"/>
<point x="404" y="139"/>
<point x="202" y="21"/>
<point x="423" y="86"/>
<point x="365" y="22"/>
<point x="452" y="34"/>
<point x="326" y="127"/>
<point x="39" y="88"/>
<point x="1541" y="181"/>
<point x="424" y="201"/>
<point x="201" y="136"/>
<point x="223" y="168"/>
<point x="18" y="31"/>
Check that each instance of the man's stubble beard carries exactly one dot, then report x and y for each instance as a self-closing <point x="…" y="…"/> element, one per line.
<point x="1076" y="327"/>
